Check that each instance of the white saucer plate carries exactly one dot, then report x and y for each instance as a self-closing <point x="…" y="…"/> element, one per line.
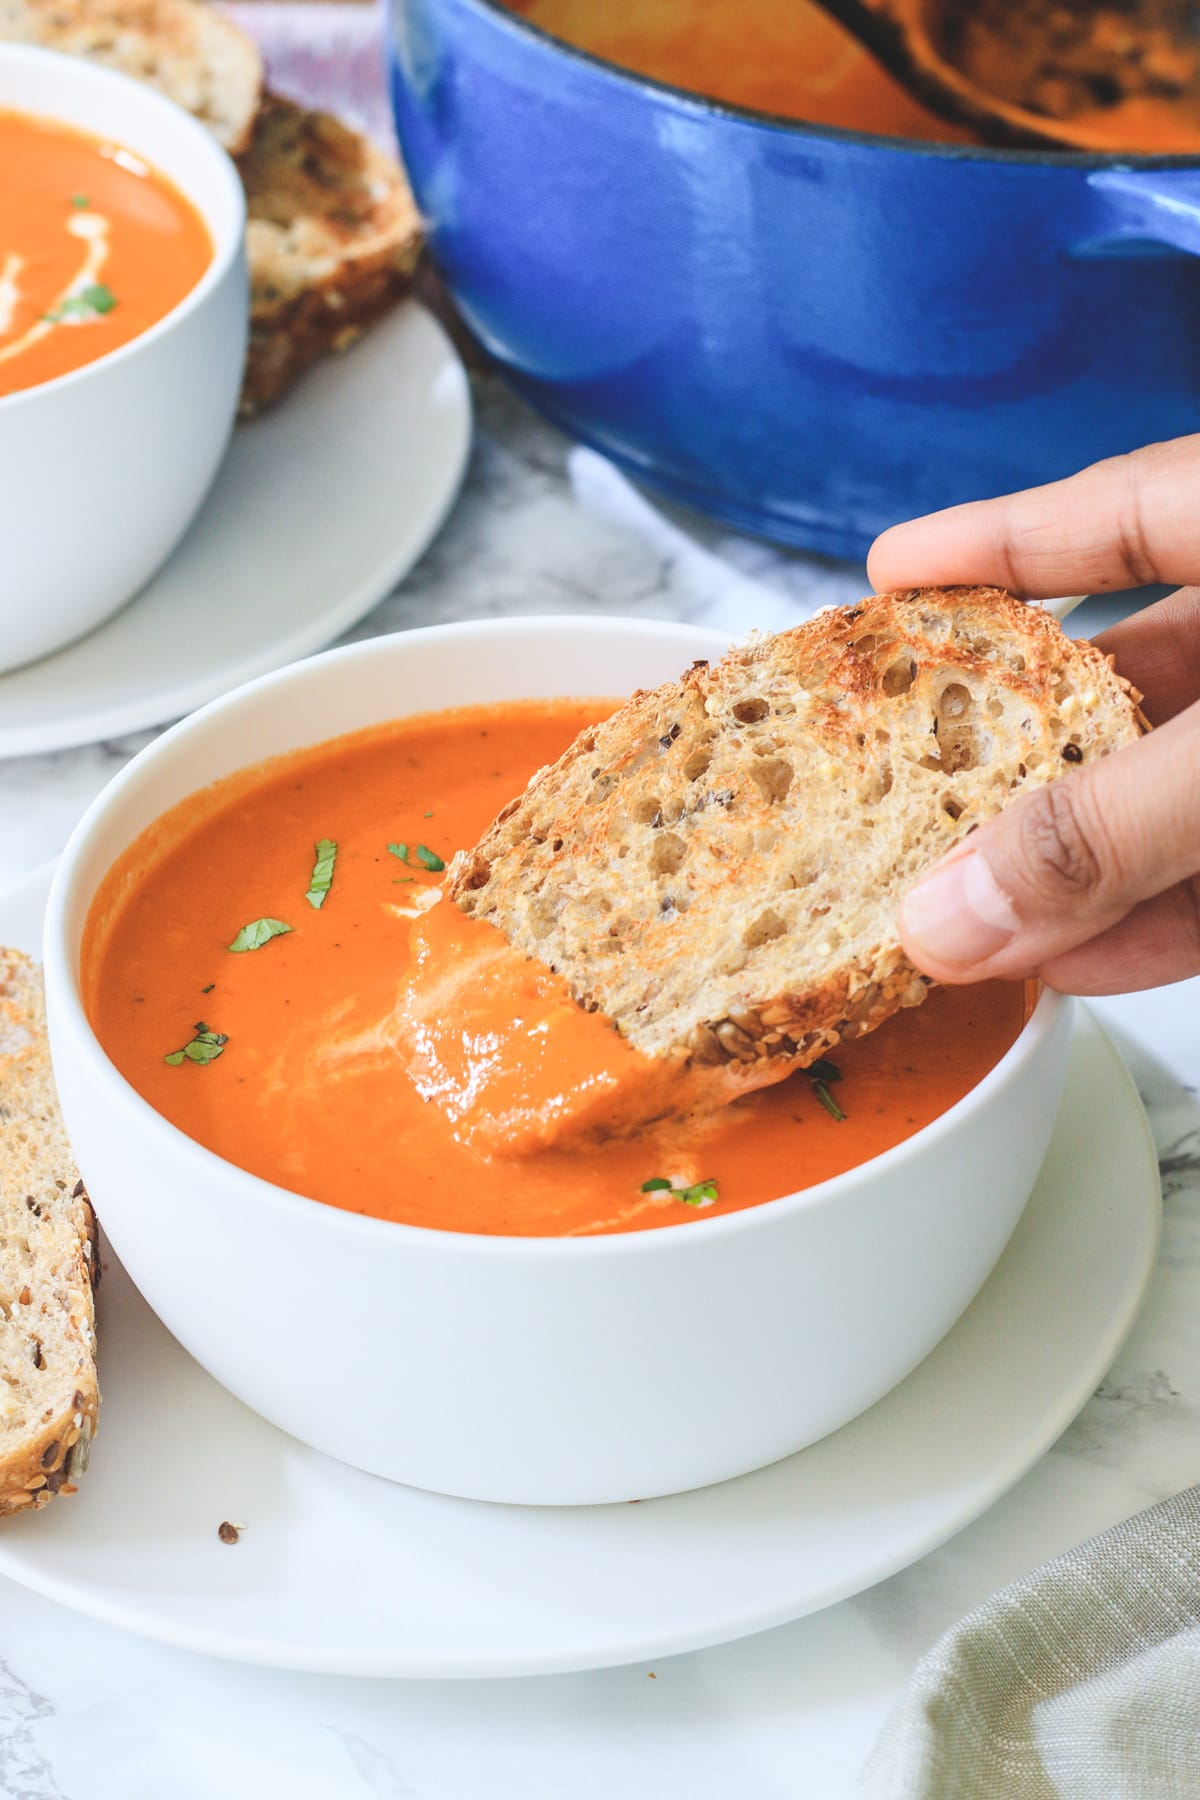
<point x="345" y="1573"/>
<point x="319" y="509"/>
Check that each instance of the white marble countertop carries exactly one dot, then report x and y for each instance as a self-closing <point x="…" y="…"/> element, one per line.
<point x="87" y="1713"/>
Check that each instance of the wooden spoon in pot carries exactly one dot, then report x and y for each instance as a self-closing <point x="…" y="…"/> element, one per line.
<point x="1058" y="74"/>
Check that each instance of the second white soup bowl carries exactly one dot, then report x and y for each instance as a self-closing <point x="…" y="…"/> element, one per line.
<point x="537" y="1370"/>
<point x="102" y="470"/>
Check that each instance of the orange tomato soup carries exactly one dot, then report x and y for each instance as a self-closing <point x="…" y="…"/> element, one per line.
<point x="95" y="247"/>
<point x="789" y="58"/>
<point x="785" y="57"/>
<point x="285" y="1058"/>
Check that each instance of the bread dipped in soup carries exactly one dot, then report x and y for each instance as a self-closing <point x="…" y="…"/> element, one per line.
<point x="585" y="1020"/>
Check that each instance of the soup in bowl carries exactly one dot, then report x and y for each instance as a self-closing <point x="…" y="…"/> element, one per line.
<point x="98" y="247"/>
<point x="122" y="336"/>
<point x="228" y="933"/>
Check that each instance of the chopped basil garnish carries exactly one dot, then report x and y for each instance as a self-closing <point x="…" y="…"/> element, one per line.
<point x="424" y="855"/>
<point x="79" y="201"/>
<point x="822" y="1070"/>
<point x="828" y="1102"/>
<point x="429" y="815"/>
<point x="258" y="933"/>
<point x="209" y="988"/>
<point x="821" y="1073"/>
<point x="92" y="303"/>
<point x="322" y="875"/>
<point x="702" y="1193"/>
<point x="205" y="1047"/>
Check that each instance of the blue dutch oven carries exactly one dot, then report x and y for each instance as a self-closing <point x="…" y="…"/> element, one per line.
<point x="807" y="332"/>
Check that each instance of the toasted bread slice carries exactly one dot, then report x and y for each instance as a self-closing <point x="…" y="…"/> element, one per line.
<point x="333" y="236"/>
<point x="49" y="1262"/>
<point x="718" y="867"/>
<point x="185" y="48"/>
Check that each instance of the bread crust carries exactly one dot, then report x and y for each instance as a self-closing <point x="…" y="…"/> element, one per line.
<point x="189" y="51"/>
<point x="333" y="236"/>
<point x="48" y="1235"/>
<point x="718" y="867"/>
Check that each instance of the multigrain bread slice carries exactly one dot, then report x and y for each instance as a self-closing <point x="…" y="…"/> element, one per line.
<point x="185" y="48"/>
<point x="49" y="1262"/>
<point x="718" y="867"/>
<point x="333" y="237"/>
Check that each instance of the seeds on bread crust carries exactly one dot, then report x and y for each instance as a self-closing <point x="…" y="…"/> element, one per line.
<point x="332" y="235"/>
<point x="801" y="785"/>
<point x="49" y="1398"/>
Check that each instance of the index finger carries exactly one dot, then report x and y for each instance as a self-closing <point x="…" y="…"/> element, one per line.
<point x="1121" y="523"/>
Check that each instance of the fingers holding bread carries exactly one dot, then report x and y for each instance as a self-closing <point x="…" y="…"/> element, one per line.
<point x="719" y="866"/>
<point x="1120" y="523"/>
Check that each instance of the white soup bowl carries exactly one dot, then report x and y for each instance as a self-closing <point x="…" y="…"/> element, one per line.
<point x="103" y="469"/>
<point x="546" y="1370"/>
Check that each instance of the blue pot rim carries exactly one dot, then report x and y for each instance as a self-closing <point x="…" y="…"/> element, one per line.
<point x="504" y="18"/>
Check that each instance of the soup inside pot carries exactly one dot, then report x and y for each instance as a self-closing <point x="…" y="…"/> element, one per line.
<point x="785" y="57"/>
<point x="1125" y="76"/>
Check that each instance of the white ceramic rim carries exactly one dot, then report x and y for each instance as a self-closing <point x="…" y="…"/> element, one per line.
<point x="224" y="252"/>
<point x="142" y="1117"/>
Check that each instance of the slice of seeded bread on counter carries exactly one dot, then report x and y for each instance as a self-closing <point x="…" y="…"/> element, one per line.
<point x="718" y="866"/>
<point x="49" y="1262"/>
<point x="185" y="48"/>
<point x="333" y="238"/>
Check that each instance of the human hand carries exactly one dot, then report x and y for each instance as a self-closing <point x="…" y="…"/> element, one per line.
<point x="1093" y="882"/>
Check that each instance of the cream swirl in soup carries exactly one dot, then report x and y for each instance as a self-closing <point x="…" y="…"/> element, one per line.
<point x="95" y="247"/>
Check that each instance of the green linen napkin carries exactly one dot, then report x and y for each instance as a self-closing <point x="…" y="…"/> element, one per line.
<point x="1081" y="1681"/>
